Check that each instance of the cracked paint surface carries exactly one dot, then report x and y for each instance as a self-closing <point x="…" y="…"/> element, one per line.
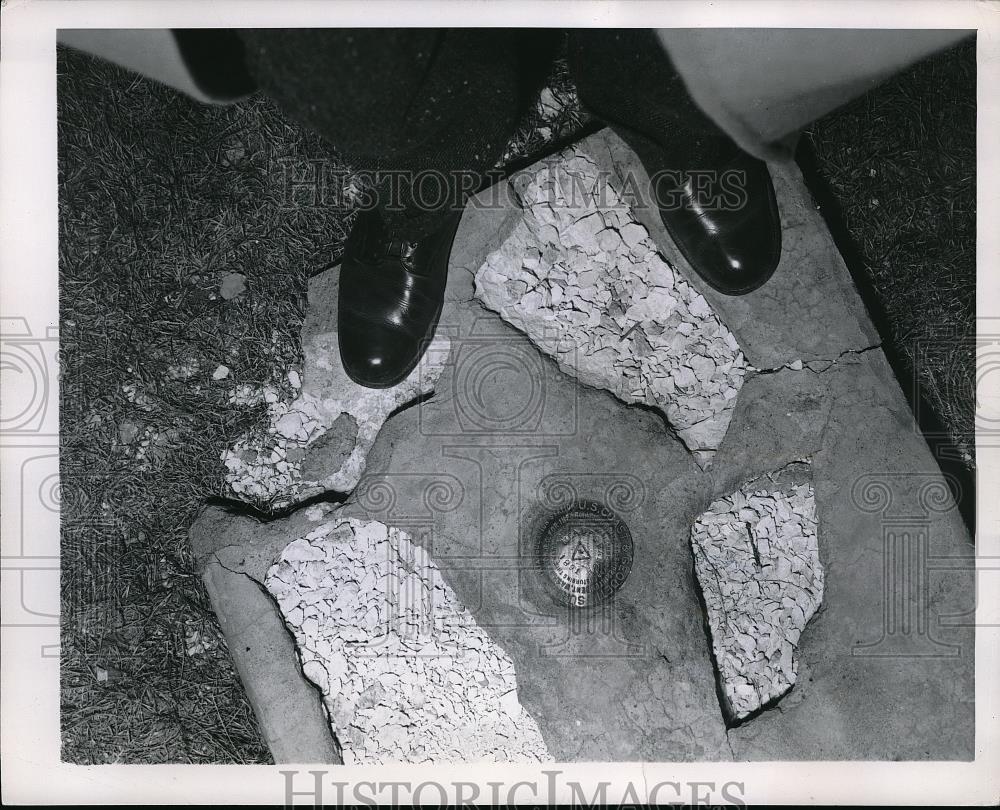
<point x="757" y="561"/>
<point x="585" y="282"/>
<point x="406" y="673"/>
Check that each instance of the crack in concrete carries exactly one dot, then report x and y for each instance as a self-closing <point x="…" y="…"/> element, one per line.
<point x="753" y="544"/>
<point x="806" y="365"/>
<point x="773" y="475"/>
<point x="729" y="744"/>
<point x="214" y="557"/>
<point x="839" y="357"/>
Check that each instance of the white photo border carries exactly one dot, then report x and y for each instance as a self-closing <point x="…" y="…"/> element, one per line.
<point x="29" y="655"/>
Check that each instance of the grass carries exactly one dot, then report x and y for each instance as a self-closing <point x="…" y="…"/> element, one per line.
<point x="160" y="198"/>
<point x="901" y="165"/>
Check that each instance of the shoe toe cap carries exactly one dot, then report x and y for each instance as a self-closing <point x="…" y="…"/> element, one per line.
<point x="380" y="360"/>
<point x="740" y="271"/>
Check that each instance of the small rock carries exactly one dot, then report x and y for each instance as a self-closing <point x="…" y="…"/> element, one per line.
<point x="232" y="285"/>
<point x="108" y="675"/>
<point x="127" y="431"/>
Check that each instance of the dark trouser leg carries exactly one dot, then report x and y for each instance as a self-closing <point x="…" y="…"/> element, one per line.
<point x="430" y="110"/>
<point x="716" y="201"/>
<point x="625" y="78"/>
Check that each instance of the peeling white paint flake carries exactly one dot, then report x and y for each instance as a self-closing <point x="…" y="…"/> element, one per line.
<point x="406" y="673"/>
<point x="319" y="441"/>
<point x="757" y="561"/>
<point x="584" y="281"/>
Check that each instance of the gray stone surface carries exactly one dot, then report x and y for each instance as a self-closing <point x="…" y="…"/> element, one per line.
<point x="886" y="667"/>
<point x="507" y="436"/>
<point x="233" y="554"/>
<point x="635" y="683"/>
<point x="470" y="471"/>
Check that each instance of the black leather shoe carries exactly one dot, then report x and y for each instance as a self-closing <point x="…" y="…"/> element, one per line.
<point x="723" y="217"/>
<point x="390" y="299"/>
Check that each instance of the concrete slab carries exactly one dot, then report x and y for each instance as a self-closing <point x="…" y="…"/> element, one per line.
<point x="634" y="682"/>
<point x="234" y="554"/>
<point x="885" y="666"/>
